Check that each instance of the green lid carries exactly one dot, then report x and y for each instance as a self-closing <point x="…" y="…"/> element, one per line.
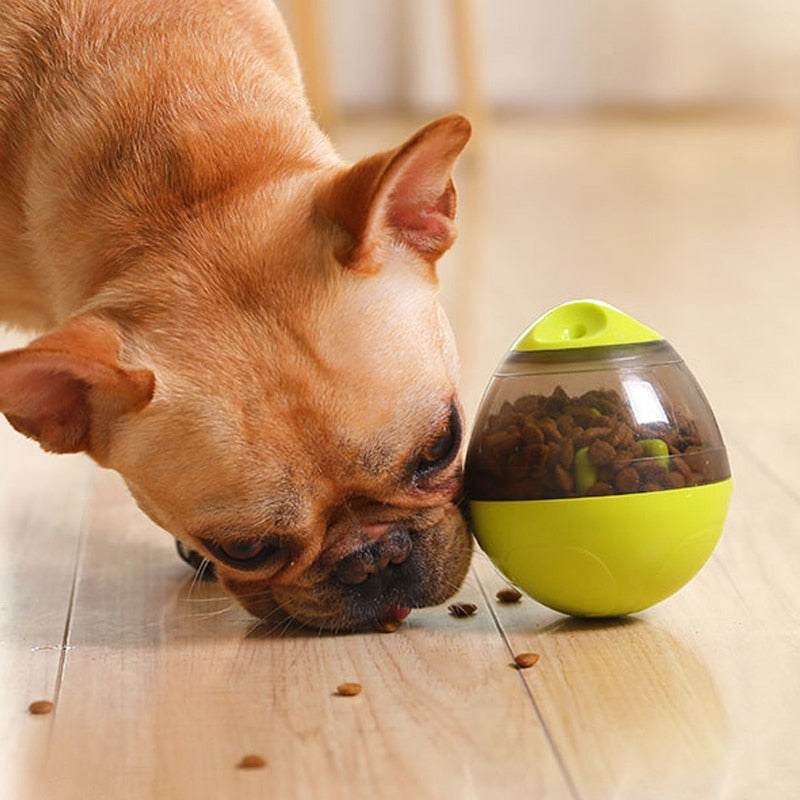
<point x="583" y="323"/>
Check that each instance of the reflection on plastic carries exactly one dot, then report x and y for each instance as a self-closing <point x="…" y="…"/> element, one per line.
<point x="644" y="401"/>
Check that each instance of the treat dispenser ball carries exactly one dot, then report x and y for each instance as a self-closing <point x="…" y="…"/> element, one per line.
<point x="596" y="476"/>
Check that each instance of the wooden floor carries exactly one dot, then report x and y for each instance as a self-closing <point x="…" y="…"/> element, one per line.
<point x="161" y="686"/>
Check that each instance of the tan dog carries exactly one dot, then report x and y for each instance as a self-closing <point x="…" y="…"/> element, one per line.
<point x="239" y="323"/>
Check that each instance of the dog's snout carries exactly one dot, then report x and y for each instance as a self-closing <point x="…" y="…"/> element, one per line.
<point x="374" y="559"/>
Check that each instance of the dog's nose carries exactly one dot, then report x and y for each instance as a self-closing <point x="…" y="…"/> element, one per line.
<point x="370" y="567"/>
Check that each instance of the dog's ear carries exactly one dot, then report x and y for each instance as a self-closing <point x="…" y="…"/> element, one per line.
<point x="404" y="196"/>
<point x="66" y="389"/>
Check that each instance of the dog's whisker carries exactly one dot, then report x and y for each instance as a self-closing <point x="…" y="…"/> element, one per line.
<point x="280" y="624"/>
<point x="253" y="627"/>
<point x="218" y="613"/>
<point x="195" y="599"/>
<point x="203" y="568"/>
<point x="199" y="574"/>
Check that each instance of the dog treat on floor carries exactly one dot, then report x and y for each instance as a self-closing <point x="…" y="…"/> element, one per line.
<point x="348" y="689"/>
<point x="525" y="660"/>
<point x="251" y="761"/>
<point x="393" y="618"/>
<point x="40" y="707"/>
<point x="509" y="595"/>
<point x="461" y="610"/>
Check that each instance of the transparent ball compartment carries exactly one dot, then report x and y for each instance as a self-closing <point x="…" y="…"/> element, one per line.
<point x="595" y="421"/>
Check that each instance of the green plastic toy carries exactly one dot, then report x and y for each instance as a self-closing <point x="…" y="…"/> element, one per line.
<point x="596" y="476"/>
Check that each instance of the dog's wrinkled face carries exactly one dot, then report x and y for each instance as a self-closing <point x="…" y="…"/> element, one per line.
<point x="321" y="477"/>
<point x="280" y="393"/>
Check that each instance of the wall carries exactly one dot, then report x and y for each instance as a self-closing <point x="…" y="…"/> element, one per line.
<point x="567" y="54"/>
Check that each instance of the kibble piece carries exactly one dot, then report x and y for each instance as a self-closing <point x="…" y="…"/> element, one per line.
<point x="682" y="466"/>
<point x="601" y="453"/>
<point x="627" y="480"/>
<point x="461" y="610"/>
<point x="652" y="472"/>
<point x="568" y="453"/>
<point x="517" y="467"/>
<point x="348" y="689"/>
<point x="696" y="458"/>
<point x="623" y="459"/>
<point x="525" y="660"/>
<point x="600" y="489"/>
<point x="390" y="625"/>
<point x="509" y="595"/>
<point x="563" y="479"/>
<point x="565" y="423"/>
<point x="251" y="761"/>
<point x="591" y="434"/>
<point x="550" y="430"/>
<point x="532" y="433"/>
<point x="674" y="480"/>
<point x="41" y="707"/>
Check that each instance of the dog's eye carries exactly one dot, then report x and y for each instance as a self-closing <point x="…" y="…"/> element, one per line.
<point x="438" y="449"/>
<point x="442" y="449"/>
<point x="243" y="553"/>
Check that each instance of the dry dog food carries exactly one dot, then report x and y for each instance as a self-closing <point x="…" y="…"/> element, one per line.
<point x="40" y="707"/>
<point x="390" y="625"/>
<point x="462" y="610"/>
<point x="560" y="446"/>
<point x="251" y="761"/>
<point x="509" y="596"/>
<point x="348" y="689"/>
<point x="525" y="660"/>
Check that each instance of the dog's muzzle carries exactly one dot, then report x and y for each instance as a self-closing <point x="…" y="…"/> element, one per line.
<point x="408" y="565"/>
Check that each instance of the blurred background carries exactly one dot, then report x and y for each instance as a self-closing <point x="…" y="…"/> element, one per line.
<point x="544" y="56"/>
<point x="643" y="152"/>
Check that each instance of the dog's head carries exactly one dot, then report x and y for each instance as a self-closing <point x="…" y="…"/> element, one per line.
<point x="277" y="386"/>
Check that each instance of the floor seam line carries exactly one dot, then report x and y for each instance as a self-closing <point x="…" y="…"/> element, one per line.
<point x="537" y="711"/>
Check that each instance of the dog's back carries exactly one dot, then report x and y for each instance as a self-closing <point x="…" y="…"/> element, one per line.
<point x="96" y="98"/>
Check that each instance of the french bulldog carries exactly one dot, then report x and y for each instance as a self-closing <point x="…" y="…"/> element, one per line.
<point x="241" y="324"/>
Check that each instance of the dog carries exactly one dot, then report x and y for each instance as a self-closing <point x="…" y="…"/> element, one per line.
<point x="241" y="324"/>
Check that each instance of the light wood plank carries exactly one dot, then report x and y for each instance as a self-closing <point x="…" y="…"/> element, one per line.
<point x="42" y="501"/>
<point x="162" y="697"/>
<point x="690" y="226"/>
